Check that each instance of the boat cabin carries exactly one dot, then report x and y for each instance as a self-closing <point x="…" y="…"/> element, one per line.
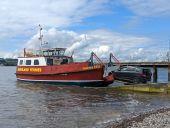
<point x="47" y="57"/>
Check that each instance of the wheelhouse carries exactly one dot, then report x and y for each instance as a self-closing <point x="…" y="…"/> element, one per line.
<point x="47" y="57"/>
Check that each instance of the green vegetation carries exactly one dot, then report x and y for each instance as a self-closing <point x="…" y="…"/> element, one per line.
<point x="8" y="62"/>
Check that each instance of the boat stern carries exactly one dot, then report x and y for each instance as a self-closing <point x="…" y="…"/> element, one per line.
<point x="109" y="79"/>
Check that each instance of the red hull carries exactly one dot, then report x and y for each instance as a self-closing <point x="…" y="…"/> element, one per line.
<point x="69" y="73"/>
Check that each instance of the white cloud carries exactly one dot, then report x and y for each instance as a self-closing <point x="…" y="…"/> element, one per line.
<point x="13" y="55"/>
<point x="80" y="44"/>
<point x="20" y="18"/>
<point x="102" y="50"/>
<point x="102" y="42"/>
<point x="20" y="14"/>
<point x="2" y="54"/>
<point x="149" y="7"/>
<point x="54" y="38"/>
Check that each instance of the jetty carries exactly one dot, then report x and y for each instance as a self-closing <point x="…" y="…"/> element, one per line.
<point x="149" y="87"/>
<point x="163" y="88"/>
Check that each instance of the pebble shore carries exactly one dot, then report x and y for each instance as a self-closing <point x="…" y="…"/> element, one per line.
<point x="159" y="120"/>
<point x="154" y="119"/>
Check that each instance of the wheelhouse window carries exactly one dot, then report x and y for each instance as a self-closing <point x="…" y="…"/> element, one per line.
<point x="21" y="62"/>
<point x="49" y="61"/>
<point x="36" y="62"/>
<point x="65" y="61"/>
<point x="28" y="62"/>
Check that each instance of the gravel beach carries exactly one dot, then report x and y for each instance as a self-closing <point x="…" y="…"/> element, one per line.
<point x="159" y="120"/>
<point x="155" y="119"/>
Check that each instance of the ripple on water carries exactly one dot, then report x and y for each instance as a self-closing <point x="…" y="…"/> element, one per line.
<point x="43" y="105"/>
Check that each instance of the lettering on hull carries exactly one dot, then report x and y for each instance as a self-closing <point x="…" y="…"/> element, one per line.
<point x="29" y="69"/>
<point x="91" y="67"/>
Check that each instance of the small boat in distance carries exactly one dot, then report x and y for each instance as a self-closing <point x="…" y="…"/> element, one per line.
<point x="53" y="66"/>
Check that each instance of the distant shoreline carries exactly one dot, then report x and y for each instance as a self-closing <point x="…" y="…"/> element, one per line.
<point x="8" y="62"/>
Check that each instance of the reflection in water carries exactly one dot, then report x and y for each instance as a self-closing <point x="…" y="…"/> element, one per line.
<point x="72" y="95"/>
<point x="63" y="106"/>
<point x="48" y="106"/>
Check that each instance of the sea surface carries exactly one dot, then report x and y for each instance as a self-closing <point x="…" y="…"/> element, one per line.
<point x="30" y="105"/>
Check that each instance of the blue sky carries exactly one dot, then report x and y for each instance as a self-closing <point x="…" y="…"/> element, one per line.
<point x="136" y="30"/>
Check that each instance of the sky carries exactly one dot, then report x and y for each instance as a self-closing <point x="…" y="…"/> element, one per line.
<point x="133" y="30"/>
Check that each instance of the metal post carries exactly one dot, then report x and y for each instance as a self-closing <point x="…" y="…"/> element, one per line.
<point x="91" y="58"/>
<point x="168" y="72"/>
<point x="155" y="74"/>
<point x="24" y="52"/>
<point x="169" y="63"/>
<point x="110" y="58"/>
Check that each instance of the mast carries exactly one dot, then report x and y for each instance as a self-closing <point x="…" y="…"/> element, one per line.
<point x="40" y="37"/>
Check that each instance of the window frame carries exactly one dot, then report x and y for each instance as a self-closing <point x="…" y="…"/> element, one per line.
<point x="36" y="60"/>
<point x="21" y="62"/>
<point x="26" y="63"/>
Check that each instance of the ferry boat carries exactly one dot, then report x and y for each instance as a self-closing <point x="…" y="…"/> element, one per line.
<point x="53" y="66"/>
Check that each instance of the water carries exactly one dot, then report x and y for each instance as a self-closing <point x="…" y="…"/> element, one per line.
<point x="28" y="105"/>
<point x="162" y="75"/>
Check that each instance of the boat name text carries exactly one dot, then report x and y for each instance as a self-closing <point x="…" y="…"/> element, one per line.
<point x="29" y="69"/>
<point x="92" y="67"/>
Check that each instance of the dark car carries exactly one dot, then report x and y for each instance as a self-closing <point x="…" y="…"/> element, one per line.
<point x="132" y="74"/>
